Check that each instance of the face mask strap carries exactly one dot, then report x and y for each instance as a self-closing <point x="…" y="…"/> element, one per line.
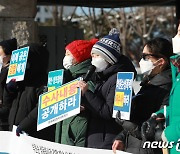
<point x="155" y="63"/>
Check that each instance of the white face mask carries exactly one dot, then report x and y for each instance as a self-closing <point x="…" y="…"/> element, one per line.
<point x="1" y="59"/>
<point x="67" y="62"/>
<point x="146" y="66"/>
<point x="100" y="64"/>
<point x="176" y="44"/>
<point x="1" y="62"/>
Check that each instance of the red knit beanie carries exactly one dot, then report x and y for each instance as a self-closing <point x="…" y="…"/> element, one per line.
<point x="81" y="49"/>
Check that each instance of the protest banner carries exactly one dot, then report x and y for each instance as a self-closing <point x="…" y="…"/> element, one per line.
<point x="59" y="104"/>
<point x="12" y="144"/>
<point x="55" y="79"/>
<point x="123" y="94"/>
<point x="17" y="65"/>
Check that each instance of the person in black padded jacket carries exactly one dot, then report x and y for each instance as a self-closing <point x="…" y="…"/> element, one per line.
<point x="108" y="59"/>
<point x="6" y="48"/>
<point x="153" y="95"/>
<point x="22" y="97"/>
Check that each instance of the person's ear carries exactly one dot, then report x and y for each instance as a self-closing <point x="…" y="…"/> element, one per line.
<point x="161" y="62"/>
<point x="74" y="61"/>
<point x="8" y="56"/>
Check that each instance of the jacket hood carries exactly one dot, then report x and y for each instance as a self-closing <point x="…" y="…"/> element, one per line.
<point x="37" y="63"/>
<point x="162" y="78"/>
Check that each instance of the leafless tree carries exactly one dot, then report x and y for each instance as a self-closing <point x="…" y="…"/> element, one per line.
<point x="136" y="24"/>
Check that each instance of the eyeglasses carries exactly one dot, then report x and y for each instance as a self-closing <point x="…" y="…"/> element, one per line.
<point x="145" y="56"/>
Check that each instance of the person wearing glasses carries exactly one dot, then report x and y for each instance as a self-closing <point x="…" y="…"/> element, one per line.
<point x="153" y="95"/>
<point x="171" y="133"/>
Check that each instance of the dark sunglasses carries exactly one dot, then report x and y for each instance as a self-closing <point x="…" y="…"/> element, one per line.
<point x="144" y="56"/>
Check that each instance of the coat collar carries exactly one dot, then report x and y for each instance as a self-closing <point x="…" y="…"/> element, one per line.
<point x="162" y="78"/>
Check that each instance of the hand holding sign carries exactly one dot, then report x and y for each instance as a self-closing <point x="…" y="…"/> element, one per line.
<point x="12" y="86"/>
<point x="118" y="118"/>
<point x="18" y="131"/>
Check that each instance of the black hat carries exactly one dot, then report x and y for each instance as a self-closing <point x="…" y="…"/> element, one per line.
<point x="37" y="64"/>
<point x="9" y="46"/>
<point x="38" y="57"/>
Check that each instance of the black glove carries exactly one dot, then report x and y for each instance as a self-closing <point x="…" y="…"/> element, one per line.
<point x="18" y="131"/>
<point x="45" y="89"/>
<point x="148" y="129"/>
<point x="118" y="118"/>
<point x="12" y="86"/>
<point x="127" y="125"/>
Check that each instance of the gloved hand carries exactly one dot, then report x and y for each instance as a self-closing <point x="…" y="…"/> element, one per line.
<point x="12" y="86"/>
<point x="127" y="125"/>
<point x="45" y="89"/>
<point x="118" y="118"/>
<point x="18" y="131"/>
<point x="148" y="128"/>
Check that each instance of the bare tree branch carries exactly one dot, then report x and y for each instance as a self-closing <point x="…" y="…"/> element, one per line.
<point x="72" y="15"/>
<point x="152" y="25"/>
<point x="84" y="12"/>
<point x="137" y="25"/>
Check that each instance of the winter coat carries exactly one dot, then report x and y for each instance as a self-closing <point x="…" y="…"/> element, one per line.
<point x="172" y="131"/>
<point x="73" y="131"/>
<point x="23" y="112"/>
<point x="102" y="128"/>
<point x="153" y="94"/>
<point x="3" y="111"/>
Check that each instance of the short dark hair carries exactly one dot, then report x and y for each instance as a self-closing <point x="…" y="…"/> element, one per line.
<point x="160" y="46"/>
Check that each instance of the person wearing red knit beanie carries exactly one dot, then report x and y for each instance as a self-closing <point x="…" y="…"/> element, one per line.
<point x="77" y="52"/>
<point x="73" y="131"/>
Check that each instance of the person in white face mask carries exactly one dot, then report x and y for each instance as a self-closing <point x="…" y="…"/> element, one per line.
<point x="77" y="60"/>
<point x="100" y="63"/>
<point x="6" y="48"/>
<point x="152" y="63"/>
<point x="153" y="95"/>
<point x="69" y="60"/>
<point x="171" y="133"/>
<point x="108" y="59"/>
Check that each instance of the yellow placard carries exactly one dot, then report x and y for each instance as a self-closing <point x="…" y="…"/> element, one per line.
<point x="12" y="69"/>
<point x="59" y="94"/>
<point x="119" y="99"/>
